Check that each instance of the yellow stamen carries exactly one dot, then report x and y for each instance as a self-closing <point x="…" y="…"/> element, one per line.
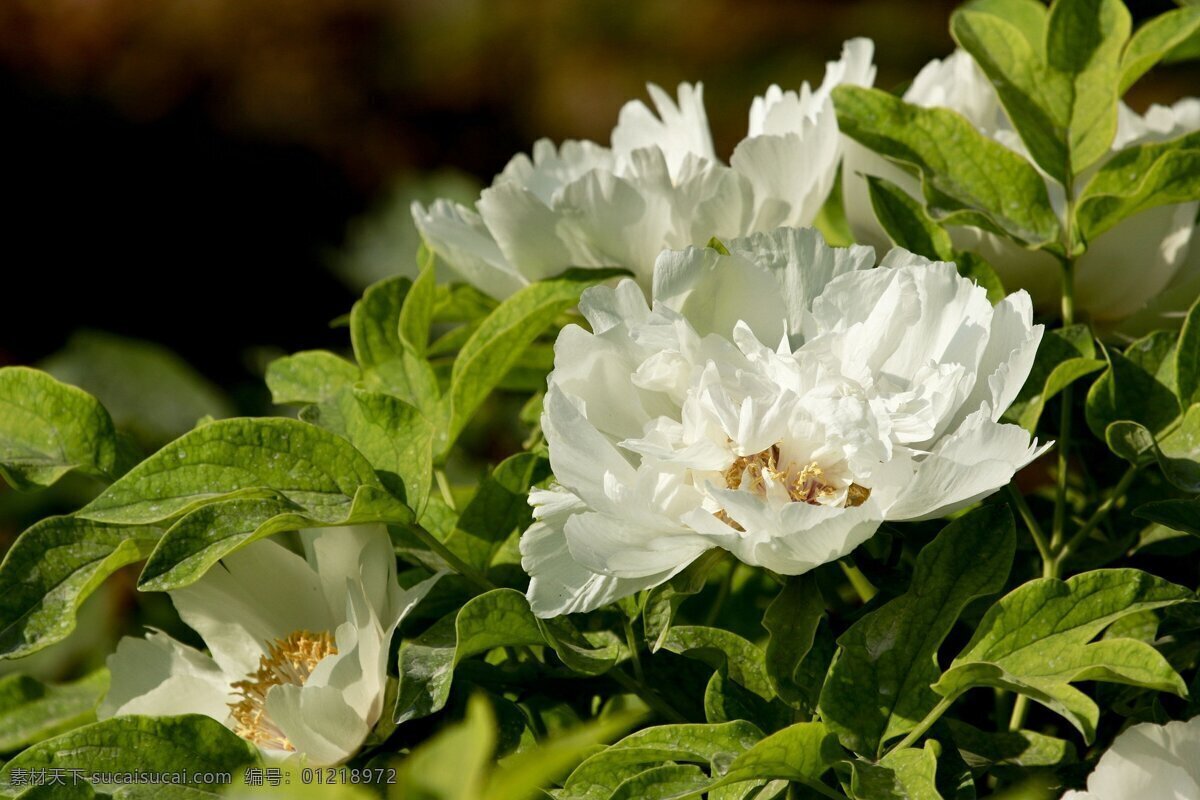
<point x="808" y="485"/>
<point x="290" y="661"/>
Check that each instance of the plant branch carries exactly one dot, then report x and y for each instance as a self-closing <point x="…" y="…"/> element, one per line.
<point x="1096" y="518"/>
<point x="924" y="725"/>
<point x="457" y="564"/>
<point x="1035" y="530"/>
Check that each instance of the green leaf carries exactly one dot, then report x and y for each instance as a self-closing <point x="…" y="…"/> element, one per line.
<point x="792" y="620"/>
<point x="1180" y="515"/>
<point x="416" y="314"/>
<point x="499" y="507"/>
<point x="1154" y="40"/>
<point x="1064" y="356"/>
<point x="388" y="365"/>
<point x="394" y="436"/>
<point x="1060" y="87"/>
<point x="708" y="745"/>
<point x="908" y="774"/>
<point x="1035" y="641"/>
<point x="1020" y="748"/>
<point x="312" y="376"/>
<point x="1137" y="386"/>
<point x="1187" y="358"/>
<point x="802" y="752"/>
<point x="498" y="342"/>
<point x="48" y="428"/>
<point x="190" y="744"/>
<point x="966" y="178"/>
<point x="453" y="765"/>
<point x="1138" y="178"/>
<point x="658" y="611"/>
<point x="891" y="653"/>
<point x="910" y="227"/>
<point x="316" y="469"/>
<point x="51" y="569"/>
<point x="31" y="711"/>
<point x="1177" y="452"/>
<point x="723" y="650"/>
<point x="499" y="618"/>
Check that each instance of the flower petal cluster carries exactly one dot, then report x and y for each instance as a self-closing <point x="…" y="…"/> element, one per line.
<point x="1148" y="760"/>
<point x="1144" y="272"/>
<point x="298" y="646"/>
<point x="779" y="401"/>
<point x="660" y="185"/>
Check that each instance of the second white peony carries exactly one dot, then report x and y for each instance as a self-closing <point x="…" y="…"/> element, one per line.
<point x="779" y="401"/>
<point x="1155" y="762"/>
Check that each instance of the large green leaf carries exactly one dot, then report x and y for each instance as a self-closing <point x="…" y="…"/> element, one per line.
<point x="316" y="469"/>
<point x="394" y="436"/>
<point x="1064" y="356"/>
<point x="967" y="178"/>
<point x="910" y="227"/>
<point x="48" y="428"/>
<point x="908" y="774"/>
<point x="891" y="653"/>
<point x="1037" y="640"/>
<point x="1137" y="386"/>
<point x="1020" y="748"/>
<point x="204" y="536"/>
<point x="792" y="620"/>
<point x="723" y="650"/>
<point x="312" y="376"/>
<point x="661" y="603"/>
<point x="188" y="744"/>
<point x="1187" y="359"/>
<point x="388" y="363"/>
<point x="708" y="745"/>
<point x="1057" y="77"/>
<point x="31" y="711"/>
<point x="52" y="568"/>
<point x="499" y="618"/>
<point x="499" y="507"/>
<point x="1154" y="40"/>
<point x="416" y="313"/>
<point x="1139" y="178"/>
<point x="1180" y="515"/>
<point x="498" y="342"/>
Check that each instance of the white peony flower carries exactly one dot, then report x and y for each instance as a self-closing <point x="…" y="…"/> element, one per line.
<point x="779" y="402"/>
<point x="659" y="186"/>
<point x="1159" y="762"/>
<point x="1138" y="273"/>
<point x="299" y="646"/>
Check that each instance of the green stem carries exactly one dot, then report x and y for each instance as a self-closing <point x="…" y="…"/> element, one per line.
<point x="924" y="725"/>
<point x="865" y="589"/>
<point x="634" y="649"/>
<point x="1097" y="517"/>
<point x="1018" y="713"/>
<point x="457" y="564"/>
<point x="1035" y="530"/>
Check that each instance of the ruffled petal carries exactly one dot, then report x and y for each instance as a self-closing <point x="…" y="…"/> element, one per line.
<point x="158" y="676"/>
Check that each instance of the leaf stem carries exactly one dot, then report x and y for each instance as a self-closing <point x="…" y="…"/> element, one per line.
<point x="1035" y="530"/>
<point x="924" y="725"/>
<point x="865" y="589"/>
<point x="634" y="649"/>
<point x="1096" y="518"/>
<point x="457" y="564"/>
<point x="1018" y="713"/>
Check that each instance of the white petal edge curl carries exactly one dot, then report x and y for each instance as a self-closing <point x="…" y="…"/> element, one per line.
<point x="158" y="676"/>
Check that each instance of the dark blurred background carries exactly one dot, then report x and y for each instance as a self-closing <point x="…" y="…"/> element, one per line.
<point x="186" y="171"/>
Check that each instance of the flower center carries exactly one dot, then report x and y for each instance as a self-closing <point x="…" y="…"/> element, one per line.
<point x="290" y="660"/>
<point x="804" y="484"/>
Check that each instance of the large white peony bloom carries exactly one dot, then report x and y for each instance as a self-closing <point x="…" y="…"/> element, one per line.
<point x="298" y="645"/>
<point x="1139" y="273"/>
<point x="1148" y="761"/>
<point x="779" y="402"/>
<point x="659" y="186"/>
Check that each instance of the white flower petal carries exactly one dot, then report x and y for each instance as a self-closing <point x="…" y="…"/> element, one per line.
<point x="360" y="554"/>
<point x="259" y="594"/>
<point x="318" y="722"/>
<point x="678" y="130"/>
<point x="158" y="676"/>
<point x="458" y="235"/>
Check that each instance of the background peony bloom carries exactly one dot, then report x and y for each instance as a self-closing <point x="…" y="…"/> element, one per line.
<point x="659" y="186"/>
<point x="298" y="645"/>
<point x="779" y="402"/>
<point x="1144" y="272"/>
<point x="1148" y="761"/>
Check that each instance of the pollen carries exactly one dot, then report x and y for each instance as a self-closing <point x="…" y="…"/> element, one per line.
<point x="804" y="484"/>
<point x="289" y="661"/>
